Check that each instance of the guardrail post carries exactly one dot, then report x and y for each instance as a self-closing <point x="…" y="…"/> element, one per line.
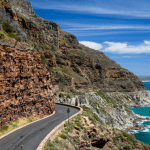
<point x="68" y="111"/>
<point x="21" y="147"/>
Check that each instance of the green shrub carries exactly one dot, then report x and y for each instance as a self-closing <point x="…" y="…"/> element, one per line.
<point x="96" y="117"/>
<point x="92" y="120"/>
<point x="58" y="141"/>
<point x="11" y="35"/>
<point x="116" y="138"/>
<point x="106" y="97"/>
<point x="77" y="118"/>
<point x="127" y="146"/>
<point x="69" y="95"/>
<point x="68" y="129"/>
<point x="50" y="146"/>
<point x="97" y="110"/>
<point x="1" y="36"/>
<point x="63" y="136"/>
<point x="66" y="124"/>
<point x="43" y="59"/>
<point x="79" y="125"/>
<point x="61" y="95"/>
<point x="130" y="137"/>
<point x="146" y="147"/>
<point x="7" y="28"/>
<point x="86" y="108"/>
<point x="4" y="128"/>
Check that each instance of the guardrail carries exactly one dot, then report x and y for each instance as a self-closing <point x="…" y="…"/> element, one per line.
<point x="51" y="136"/>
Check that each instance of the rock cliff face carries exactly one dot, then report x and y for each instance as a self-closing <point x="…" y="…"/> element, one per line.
<point x="26" y="86"/>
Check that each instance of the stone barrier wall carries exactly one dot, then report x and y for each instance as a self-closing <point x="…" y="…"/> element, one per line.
<point x="51" y="136"/>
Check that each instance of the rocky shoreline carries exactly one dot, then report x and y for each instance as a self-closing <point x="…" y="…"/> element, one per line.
<point x="138" y="127"/>
<point x="118" y="114"/>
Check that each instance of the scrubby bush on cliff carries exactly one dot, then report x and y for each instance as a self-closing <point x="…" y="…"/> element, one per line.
<point x="6" y="27"/>
<point x="43" y="59"/>
<point x="50" y="146"/>
<point x="1" y="36"/>
<point x="61" y="95"/>
<point x="127" y="147"/>
<point x="9" y="30"/>
<point x="64" y="136"/>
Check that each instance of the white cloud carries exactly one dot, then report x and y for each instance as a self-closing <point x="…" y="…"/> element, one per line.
<point x="102" y="26"/>
<point x="90" y="33"/>
<point x="86" y="8"/>
<point x="123" y="57"/>
<point x="123" y="48"/>
<point x="93" y="45"/>
<point x="127" y="56"/>
<point x="111" y="27"/>
<point x="146" y="42"/>
<point x="82" y="27"/>
<point x="119" y="48"/>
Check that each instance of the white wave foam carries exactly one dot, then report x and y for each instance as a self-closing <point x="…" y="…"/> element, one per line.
<point x="134" y="132"/>
<point x="140" y="123"/>
<point x="146" y="130"/>
<point x="145" y="117"/>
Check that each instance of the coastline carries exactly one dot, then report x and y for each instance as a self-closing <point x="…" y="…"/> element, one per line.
<point x="138" y="122"/>
<point x="142" y="127"/>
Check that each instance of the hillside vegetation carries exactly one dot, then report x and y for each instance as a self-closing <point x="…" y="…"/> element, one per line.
<point x="87" y="131"/>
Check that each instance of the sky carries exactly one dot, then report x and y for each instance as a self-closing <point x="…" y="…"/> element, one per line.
<point x="119" y="28"/>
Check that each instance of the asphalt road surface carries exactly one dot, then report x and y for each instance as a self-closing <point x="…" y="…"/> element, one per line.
<point x="32" y="135"/>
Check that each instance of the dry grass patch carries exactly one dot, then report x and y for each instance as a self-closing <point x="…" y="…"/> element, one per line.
<point x="16" y="124"/>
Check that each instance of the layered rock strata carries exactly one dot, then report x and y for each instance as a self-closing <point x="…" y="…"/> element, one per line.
<point x="26" y="86"/>
<point x="67" y="58"/>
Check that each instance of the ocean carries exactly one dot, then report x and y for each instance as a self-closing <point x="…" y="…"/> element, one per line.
<point x="143" y="136"/>
<point x="147" y="84"/>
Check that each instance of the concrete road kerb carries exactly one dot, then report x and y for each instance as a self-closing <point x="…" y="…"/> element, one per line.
<point x="51" y="136"/>
<point x="24" y="126"/>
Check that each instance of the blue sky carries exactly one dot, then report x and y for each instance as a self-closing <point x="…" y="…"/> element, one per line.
<point x="119" y="28"/>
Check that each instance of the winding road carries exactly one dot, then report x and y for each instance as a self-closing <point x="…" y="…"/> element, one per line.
<point x="31" y="136"/>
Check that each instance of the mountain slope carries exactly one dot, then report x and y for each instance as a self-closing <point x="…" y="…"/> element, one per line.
<point x="68" y="60"/>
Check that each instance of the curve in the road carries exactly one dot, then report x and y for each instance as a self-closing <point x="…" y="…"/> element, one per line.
<point x="31" y="136"/>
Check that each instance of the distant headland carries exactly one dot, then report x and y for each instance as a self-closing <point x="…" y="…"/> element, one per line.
<point x="144" y="78"/>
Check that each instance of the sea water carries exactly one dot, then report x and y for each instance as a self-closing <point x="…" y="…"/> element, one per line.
<point x="143" y="136"/>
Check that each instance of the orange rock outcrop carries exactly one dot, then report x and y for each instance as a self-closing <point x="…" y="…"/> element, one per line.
<point x="26" y="86"/>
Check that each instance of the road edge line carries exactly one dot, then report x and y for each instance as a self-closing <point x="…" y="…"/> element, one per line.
<point x="51" y="136"/>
